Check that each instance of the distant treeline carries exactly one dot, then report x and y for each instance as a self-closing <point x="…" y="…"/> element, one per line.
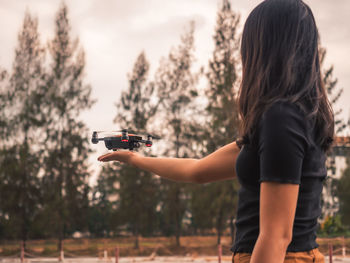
<point x="44" y="169"/>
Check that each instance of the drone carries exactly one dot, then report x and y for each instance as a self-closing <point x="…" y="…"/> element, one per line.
<point x="124" y="140"/>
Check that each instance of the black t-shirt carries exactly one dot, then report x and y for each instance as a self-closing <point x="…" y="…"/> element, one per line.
<point x="284" y="151"/>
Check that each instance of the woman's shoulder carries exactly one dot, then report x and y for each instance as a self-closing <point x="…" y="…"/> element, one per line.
<point x="282" y="117"/>
<point x="283" y="125"/>
<point x="283" y="110"/>
<point x="278" y="118"/>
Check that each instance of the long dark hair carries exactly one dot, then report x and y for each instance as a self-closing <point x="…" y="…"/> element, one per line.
<point x="280" y="62"/>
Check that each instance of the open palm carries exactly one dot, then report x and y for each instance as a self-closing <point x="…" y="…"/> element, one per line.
<point x="121" y="156"/>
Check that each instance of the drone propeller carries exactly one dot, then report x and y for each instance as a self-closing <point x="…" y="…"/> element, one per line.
<point x="108" y="132"/>
<point x="140" y="132"/>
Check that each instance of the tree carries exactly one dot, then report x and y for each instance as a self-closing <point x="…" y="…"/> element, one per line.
<point x="3" y="125"/>
<point x="176" y="90"/>
<point x="21" y="123"/>
<point x="201" y="216"/>
<point x="65" y="182"/>
<point x="333" y="92"/>
<point x="222" y="123"/>
<point x="136" y="107"/>
<point x="330" y="202"/>
<point x="343" y="194"/>
<point x="103" y="207"/>
<point x="137" y="189"/>
<point x="3" y="102"/>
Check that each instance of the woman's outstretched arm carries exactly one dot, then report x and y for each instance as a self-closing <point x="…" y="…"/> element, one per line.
<point x="217" y="166"/>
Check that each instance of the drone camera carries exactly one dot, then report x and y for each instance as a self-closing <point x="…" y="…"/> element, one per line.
<point x="148" y="143"/>
<point x="125" y="137"/>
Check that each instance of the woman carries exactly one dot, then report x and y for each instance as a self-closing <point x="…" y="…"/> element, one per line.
<point x="287" y="128"/>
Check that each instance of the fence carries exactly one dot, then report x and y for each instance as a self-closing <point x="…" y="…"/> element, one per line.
<point x="25" y="257"/>
<point x="336" y="250"/>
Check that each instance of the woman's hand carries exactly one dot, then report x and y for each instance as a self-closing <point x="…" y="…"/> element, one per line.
<point x="121" y="156"/>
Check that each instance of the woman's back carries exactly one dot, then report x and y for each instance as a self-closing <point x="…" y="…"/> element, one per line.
<point x="283" y="151"/>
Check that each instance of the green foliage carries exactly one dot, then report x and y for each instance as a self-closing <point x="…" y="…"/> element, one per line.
<point x="333" y="92"/>
<point x="332" y="226"/>
<point x="343" y="194"/>
<point x="137" y="190"/>
<point x="65" y="182"/>
<point x="43" y="160"/>
<point x="103" y="216"/>
<point x="330" y="197"/>
<point x="176" y="87"/>
<point x="21" y="122"/>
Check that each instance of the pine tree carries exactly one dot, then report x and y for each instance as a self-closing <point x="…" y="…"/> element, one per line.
<point x="137" y="189"/>
<point x="3" y="103"/>
<point x="136" y="107"/>
<point x="342" y="192"/>
<point x="66" y="169"/>
<point x="3" y="125"/>
<point x="21" y="122"/>
<point x="103" y="215"/>
<point x="222" y="110"/>
<point x="333" y="92"/>
<point x="330" y="203"/>
<point x="176" y="89"/>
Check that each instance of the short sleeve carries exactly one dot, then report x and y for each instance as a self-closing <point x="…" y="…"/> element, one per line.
<point x="282" y="143"/>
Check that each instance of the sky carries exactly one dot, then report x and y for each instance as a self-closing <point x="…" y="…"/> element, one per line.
<point x="114" y="32"/>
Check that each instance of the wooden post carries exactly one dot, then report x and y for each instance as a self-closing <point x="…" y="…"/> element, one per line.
<point x="344" y="248"/>
<point x="105" y="252"/>
<point x="219" y="252"/>
<point x="61" y="259"/>
<point x="61" y="256"/>
<point x="116" y="254"/>
<point x="330" y="248"/>
<point x="22" y="251"/>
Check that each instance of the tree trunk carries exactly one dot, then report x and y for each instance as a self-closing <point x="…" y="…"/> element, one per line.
<point x="60" y="244"/>
<point x="178" y="216"/>
<point x="178" y="201"/>
<point x="24" y="227"/>
<point x="177" y="237"/>
<point x="219" y="225"/>
<point x="136" y="246"/>
<point x="219" y="238"/>
<point x="232" y="228"/>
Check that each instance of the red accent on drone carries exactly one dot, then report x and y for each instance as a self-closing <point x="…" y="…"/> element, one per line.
<point x="120" y="135"/>
<point x="148" y="145"/>
<point x="124" y="140"/>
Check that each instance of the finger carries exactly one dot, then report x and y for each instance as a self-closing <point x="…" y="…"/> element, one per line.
<point x="103" y="156"/>
<point x="99" y="158"/>
<point x="110" y="157"/>
<point x="108" y="160"/>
